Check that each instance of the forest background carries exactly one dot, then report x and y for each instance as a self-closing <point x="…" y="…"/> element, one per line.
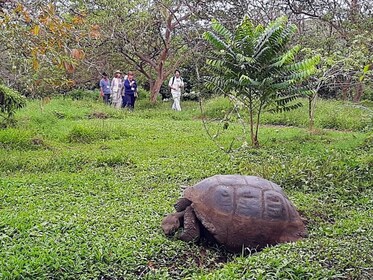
<point x="78" y="40"/>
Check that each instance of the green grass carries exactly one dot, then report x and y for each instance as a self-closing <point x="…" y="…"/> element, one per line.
<point x="84" y="187"/>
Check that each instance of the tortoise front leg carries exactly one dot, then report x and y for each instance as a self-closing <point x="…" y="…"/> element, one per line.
<point x="191" y="230"/>
<point x="172" y="222"/>
<point x="182" y="204"/>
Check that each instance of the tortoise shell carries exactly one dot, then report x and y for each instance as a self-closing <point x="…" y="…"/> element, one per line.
<point x="245" y="211"/>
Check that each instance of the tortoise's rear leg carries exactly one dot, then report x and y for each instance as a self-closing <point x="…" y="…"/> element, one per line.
<point x="182" y="204"/>
<point x="191" y="230"/>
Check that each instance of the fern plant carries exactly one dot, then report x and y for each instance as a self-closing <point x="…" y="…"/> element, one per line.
<point x="10" y="101"/>
<point x="255" y="67"/>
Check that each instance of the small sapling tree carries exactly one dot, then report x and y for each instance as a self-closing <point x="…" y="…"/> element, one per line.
<point x="255" y="67"/>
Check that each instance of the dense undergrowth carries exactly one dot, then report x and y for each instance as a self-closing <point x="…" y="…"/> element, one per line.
<point x="84" y="187"/>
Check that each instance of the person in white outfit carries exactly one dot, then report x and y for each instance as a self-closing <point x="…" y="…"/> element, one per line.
<point x="176" y="84"/>
<point x="116" y="90"/>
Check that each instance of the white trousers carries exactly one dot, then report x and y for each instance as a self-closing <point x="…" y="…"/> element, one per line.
<point x="116" y="99"/>
<point x="176" y="104"/>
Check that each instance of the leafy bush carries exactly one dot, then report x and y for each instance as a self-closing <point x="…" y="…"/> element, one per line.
<point x="192" y="95"/>
<point x="143" y="94"/>
<point x="164" y="91"/>
<point x="368" y="93"/>
<point x="10" y="101"/>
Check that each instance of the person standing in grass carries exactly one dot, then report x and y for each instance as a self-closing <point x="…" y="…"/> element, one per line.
<point x="130" y="91"/>
<point x="176" y="84"/>
<point x="105" y="88"/>
<point x="116" y="89"/>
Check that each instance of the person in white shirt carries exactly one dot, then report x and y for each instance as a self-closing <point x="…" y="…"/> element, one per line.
<point x="116" y="90"/>
<point x="176" y="84"/>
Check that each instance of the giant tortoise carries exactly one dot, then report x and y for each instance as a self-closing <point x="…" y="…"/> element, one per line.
<point x="237" y="212"/>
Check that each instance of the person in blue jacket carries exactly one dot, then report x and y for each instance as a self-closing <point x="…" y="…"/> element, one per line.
<point x="130" y="91"/>
<point x="105" y="90"/>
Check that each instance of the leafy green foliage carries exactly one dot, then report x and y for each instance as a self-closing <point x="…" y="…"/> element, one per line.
<point x="256" y="69"/>
<point x="44" y="39"/>
<point x="10" y="101"/>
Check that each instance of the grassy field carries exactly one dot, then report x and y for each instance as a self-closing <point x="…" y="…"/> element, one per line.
<point x="84" y="188"/>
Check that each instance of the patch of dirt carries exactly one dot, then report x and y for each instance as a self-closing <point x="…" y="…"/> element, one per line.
<point x="98" y="115"/>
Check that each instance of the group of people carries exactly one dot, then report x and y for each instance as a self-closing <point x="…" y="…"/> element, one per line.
<point x="121" y="91"/>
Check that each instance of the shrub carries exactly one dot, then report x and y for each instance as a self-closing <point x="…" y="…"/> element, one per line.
<point x="368" y="94"/>
<point x="143" y="94"/>
<point x="10" y="101"/>
<point x="193" y="96"/>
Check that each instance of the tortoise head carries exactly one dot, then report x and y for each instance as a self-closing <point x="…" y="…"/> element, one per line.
<point x="172" y="222"/>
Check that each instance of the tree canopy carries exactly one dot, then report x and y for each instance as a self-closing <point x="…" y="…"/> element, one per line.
<point x="77" y="40"/>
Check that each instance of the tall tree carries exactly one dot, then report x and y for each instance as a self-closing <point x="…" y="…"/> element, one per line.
<point x="147" y="35"/>
<point x="341" y="31"/>
<point x="38" y="38"/>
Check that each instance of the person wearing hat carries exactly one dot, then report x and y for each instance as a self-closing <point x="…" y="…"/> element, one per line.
<point x="105" y="88"/>
<point x="116" y="89"/>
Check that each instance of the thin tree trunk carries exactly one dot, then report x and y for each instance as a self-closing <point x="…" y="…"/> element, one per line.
<point x="354" y="10"/>
<point x="345" y="88"/>
<point x="252" y="128"/>
<point x="197" y="72"/>
<point x="256" y="141"/>
<point x="359" y="92"/>
<point x="311" y="110"/>
<point x="252" y="134"/>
